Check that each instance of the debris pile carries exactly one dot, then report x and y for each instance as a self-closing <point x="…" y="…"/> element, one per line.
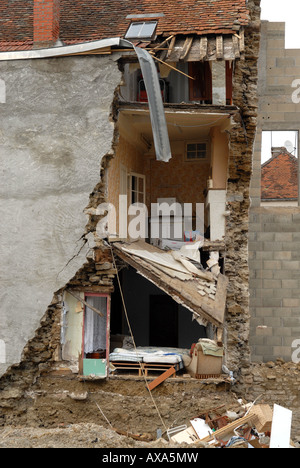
<point x="247" y="426"/>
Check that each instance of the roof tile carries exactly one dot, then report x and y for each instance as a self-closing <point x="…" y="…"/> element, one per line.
<point x="279" y="177"/>
<point x="83" y="21"/>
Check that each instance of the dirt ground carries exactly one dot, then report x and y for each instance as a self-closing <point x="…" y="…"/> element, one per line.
<point x="65" y="413"/>
<point x="83" y="435"/>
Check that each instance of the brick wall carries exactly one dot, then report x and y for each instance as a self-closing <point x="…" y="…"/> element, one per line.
<point x="274" y="232"/>
<point x="46" y="21"/>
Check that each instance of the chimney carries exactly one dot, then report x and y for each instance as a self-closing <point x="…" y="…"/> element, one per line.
<point x="277" y="150"/>
<point x="45" y="23"/>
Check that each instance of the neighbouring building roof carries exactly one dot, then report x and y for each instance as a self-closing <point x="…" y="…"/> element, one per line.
<point x="279" y="176"/>
<point x="80" y="21"/>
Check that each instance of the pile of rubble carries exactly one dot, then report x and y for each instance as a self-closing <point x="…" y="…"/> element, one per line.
<point x="248" y="426"/>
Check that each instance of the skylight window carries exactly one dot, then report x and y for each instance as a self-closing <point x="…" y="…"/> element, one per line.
<point x="141" y="30"/>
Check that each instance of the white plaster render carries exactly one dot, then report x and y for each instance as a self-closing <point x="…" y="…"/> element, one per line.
<point x="2" y="352"/>
<point x="2" y="92"/>
<point x="54" y="131"/>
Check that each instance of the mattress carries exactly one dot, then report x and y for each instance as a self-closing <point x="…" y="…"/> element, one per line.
<point x="120" y="354"/>
<point x="150" y="355"/>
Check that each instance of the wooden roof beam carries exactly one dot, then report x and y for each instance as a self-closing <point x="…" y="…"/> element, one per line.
<point x="219" y="48"/>
<point x="203" y="47"/>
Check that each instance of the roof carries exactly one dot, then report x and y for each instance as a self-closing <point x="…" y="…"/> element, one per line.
<point x="200" y="291"/>
<point x="279" y="177"/>
<point x="108" y="18"/>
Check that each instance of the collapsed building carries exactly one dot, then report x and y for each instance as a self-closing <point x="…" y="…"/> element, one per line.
<point x="143" y="102"/>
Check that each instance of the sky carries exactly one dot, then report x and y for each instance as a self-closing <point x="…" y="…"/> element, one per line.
<point x="287" y="11"/>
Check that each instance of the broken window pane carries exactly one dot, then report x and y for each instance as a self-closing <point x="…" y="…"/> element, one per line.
<point x="280" y="167"/>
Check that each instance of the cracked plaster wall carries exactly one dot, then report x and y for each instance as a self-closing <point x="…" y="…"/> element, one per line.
<point x="55" y="128"/>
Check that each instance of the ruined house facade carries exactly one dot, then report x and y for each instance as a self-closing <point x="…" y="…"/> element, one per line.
<point x="77" y="132"/>
<point x="274" y="215"/>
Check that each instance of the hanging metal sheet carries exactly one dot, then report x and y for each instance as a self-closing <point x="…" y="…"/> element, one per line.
<point x="156" y="108"/>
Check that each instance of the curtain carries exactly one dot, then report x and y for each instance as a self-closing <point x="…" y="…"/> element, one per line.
<point x="95" y="325"/>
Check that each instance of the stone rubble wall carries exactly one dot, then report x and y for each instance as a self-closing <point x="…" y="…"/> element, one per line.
<point x="242" y="138"/>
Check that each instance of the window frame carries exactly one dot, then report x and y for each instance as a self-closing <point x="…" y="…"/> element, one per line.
<point x="142" y="24"/>
<point x="108" y="300"/>
<point x="278" y="202"/>
<point x="138" y="192"/>
<point x="196" y="142"/>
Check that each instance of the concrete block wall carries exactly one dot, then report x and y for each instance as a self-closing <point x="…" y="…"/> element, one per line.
<point x="274" y="232"/>
<point x="274" y="264"/>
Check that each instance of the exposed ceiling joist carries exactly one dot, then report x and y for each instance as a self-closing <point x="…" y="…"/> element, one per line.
<point x="191" y="291"/>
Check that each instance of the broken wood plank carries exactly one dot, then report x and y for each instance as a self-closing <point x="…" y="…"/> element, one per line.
<point x="163" y="43"/>
<point x="173" y="68"/>
<point x="142" y="437"/>
<point x="242" y="41"/>
<point x="236" y="46"/>
<point x="124" y="365"/>
<point x="186" y="47"/>
<point x="171" y="47"/>
<point x="219" y="48"/>
<point x="86" y="303"/>
<point x="203" y="48"/>
<point x="161" y="378"/>
<point x="220" y="433"/>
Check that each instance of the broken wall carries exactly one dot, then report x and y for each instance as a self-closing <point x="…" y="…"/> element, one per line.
<point x="60" y="145"/>
<point x="55" y="129"/>
<point x="274" y="248"/>
<point x="238" y="200"/>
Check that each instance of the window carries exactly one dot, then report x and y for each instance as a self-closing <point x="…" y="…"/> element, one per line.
<point x="277" y="138"/>
<point x="137" y="187"/>
<point x="279" y="167"/>
<point x="95" y="326"/>
<point x="141" y="30"/>
<point x="95" y="346"/>
<point x="200" y="89"/>
<point x="196" y="151"/>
